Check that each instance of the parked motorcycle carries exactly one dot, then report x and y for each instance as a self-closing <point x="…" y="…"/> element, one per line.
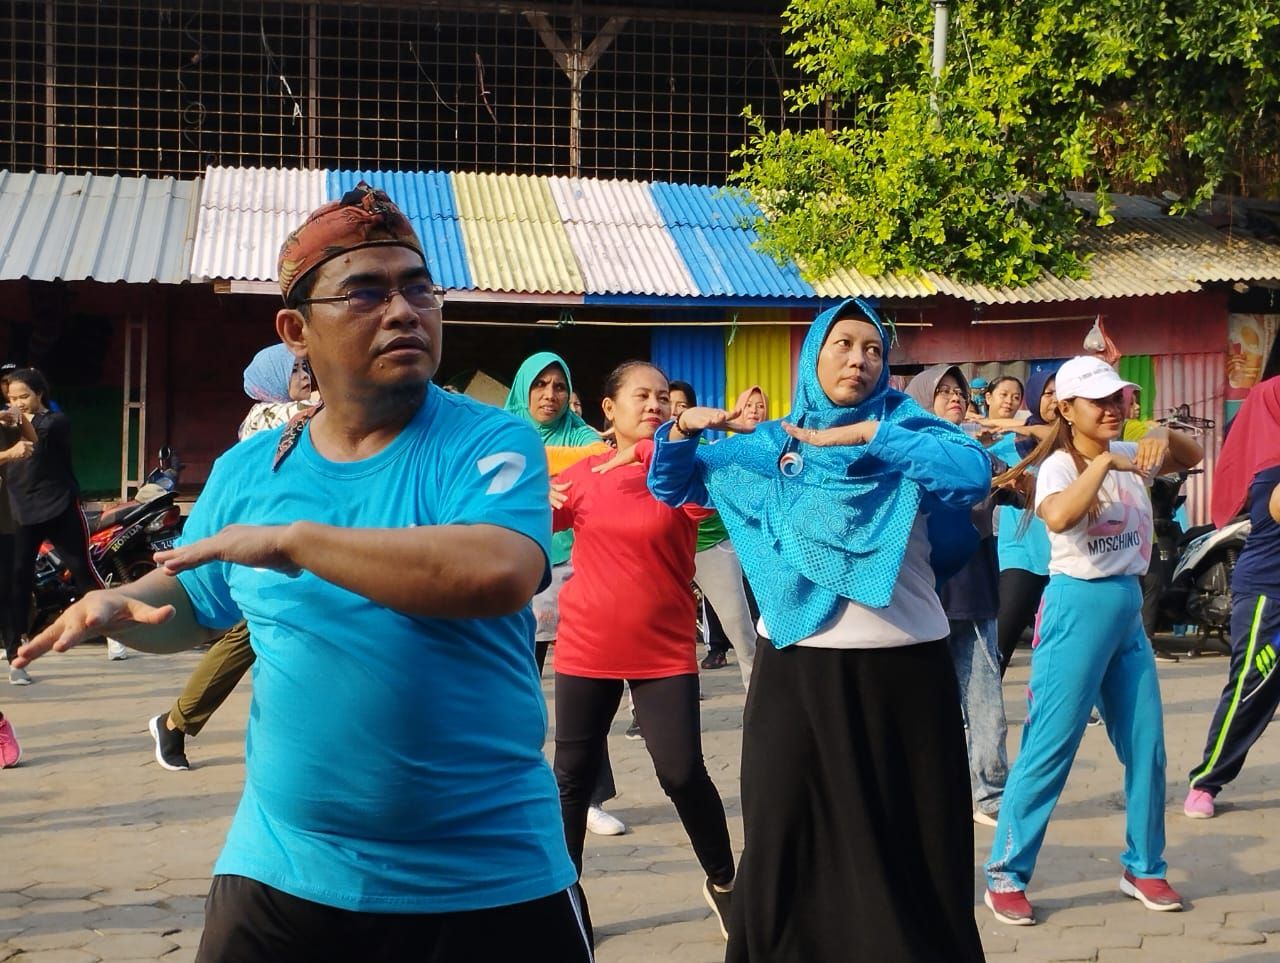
<point x="122" y="540"/>
<point x="1189" y="582"/>
<point x="1202" y="581"/>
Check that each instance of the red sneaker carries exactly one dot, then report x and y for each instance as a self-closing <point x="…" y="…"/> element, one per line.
<point x="1012" y="908"/>
<point x="1154" y="894"/>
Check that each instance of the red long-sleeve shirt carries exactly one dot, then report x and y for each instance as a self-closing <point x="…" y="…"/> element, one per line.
<point x="628" y="611"/>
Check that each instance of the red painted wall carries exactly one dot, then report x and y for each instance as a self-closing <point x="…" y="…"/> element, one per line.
<point x="1173" y="324"/>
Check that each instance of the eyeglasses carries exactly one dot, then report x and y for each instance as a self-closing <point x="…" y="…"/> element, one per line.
<point x="420" y="294"/>
<point x="953" y="392"/>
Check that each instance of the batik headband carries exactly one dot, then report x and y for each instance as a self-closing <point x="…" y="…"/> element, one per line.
<point x="364" y="217"/>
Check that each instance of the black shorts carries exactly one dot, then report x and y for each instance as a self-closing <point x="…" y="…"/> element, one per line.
<point x="250" y="922"/>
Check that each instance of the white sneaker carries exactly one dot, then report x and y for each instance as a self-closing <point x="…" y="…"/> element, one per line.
<point x="19" y="677"/>
<point x="116" y="651"/>
<point x="985" y="819"/>
<point x="604" y="824"/>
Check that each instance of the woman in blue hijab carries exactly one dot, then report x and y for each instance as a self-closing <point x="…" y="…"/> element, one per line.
<point x="855" y="789"/>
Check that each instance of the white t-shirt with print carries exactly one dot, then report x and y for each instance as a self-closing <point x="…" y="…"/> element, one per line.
<point x="1118" y="542"/>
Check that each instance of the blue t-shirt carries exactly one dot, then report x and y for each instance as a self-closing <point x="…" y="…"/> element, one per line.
<point x="1257" y="569"/>
<point x="393" y="763"/>
<point x="1029" y="550"/>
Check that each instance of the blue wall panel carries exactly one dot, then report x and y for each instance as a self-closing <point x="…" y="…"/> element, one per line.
<point x="695" y="355"/>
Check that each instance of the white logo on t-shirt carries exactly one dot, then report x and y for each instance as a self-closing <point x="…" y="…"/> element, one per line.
<point x="508" y="465"/>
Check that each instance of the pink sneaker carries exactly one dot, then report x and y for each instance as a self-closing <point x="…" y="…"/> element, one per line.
<point x="1154" y="894"/>
<point x="10" y="751"/>
<point x="1198" y="805"/>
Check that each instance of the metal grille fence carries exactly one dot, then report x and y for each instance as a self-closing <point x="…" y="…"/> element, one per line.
<point x="171" y="86"/>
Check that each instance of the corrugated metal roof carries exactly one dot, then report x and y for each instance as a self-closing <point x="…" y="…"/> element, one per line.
<point x="619" y="238"/>
<point x="84" y="227"/>
<point x="847" y="282"/>
<point x="518" y="233"/>
<point x="586" y="200"/>
<point x="695" y="205"/>
<point x="514" y="237"/>
<point x="1122" y="205"/>
<point x="726" y="263"/>
<point x="1194" y="249"/>
<point x="245" y="215"/>
<point x="629" y="259"/>
<point x="692" y="210"/>
<point x="712" y="231"/>
<point x="1140" y="256"/>
<point x="426" y="197"/>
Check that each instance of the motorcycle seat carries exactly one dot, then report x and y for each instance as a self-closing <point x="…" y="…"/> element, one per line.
<point x="126" y="513"/>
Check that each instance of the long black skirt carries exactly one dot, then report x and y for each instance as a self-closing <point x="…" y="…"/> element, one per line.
<point x="855" y="799"/>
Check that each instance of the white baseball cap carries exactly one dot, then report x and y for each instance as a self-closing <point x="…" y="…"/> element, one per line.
<point x="1088" y="377"/>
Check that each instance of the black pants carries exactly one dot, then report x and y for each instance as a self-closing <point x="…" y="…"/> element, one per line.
<point x="1020" y="593"/>
<point x="246" y="921"/>
<point x="70" y="536"/>
<point x="717" y="641"/>
<point x="605" y="788"/>
<point x="667" y="710"/>
<point x="1251" y="695"/>
<point x="855" y="802"/>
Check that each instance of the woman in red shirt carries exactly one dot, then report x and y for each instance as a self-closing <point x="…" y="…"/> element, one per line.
<point x="627" y="614"/>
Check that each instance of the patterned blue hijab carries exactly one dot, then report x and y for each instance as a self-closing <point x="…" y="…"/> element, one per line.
<point x="838" y="528"/>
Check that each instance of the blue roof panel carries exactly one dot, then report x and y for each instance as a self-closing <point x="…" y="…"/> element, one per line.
<point x="426" y="197"/>
<point x="695" y="205"/>
<point x="713" y="233"/>
<point x="723" y="262"/>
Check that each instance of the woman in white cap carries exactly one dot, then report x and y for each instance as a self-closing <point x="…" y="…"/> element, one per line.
<point x="1090" y="491"/>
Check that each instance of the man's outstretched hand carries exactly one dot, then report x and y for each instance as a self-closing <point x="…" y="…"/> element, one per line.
<point x="105" y="612"/>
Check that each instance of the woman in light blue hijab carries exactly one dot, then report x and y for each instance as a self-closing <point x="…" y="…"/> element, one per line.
<point x="855" y="788"/>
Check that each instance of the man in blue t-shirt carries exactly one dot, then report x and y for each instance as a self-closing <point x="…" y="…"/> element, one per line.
<point x="383" y="549"/>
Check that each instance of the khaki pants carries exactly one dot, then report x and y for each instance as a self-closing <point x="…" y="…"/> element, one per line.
<point x="222" y="667"/>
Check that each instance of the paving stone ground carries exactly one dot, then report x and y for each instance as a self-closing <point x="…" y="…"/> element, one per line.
<point x="105" y="856"/>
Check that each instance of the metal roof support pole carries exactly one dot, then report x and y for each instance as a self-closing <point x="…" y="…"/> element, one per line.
<point x="576" y="64"/>
<point x="941" y="20"/>
<point x="312" y="154"/>
<point x="134" y="413"/>
<point x="50" y="90"/>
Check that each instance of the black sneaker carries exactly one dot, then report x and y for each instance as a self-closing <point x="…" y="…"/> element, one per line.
<point x="170" y="745"/>
<point x="633" y="731"/>
<point x="719" y="903"/>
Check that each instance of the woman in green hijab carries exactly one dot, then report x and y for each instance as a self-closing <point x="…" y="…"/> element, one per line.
<point x="540" y="395"/>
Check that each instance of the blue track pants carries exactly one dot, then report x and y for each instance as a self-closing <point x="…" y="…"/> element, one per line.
<point x="1092" y="651"/>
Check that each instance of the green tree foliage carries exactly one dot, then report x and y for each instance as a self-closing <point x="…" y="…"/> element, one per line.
<point x="966" y="176"/>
